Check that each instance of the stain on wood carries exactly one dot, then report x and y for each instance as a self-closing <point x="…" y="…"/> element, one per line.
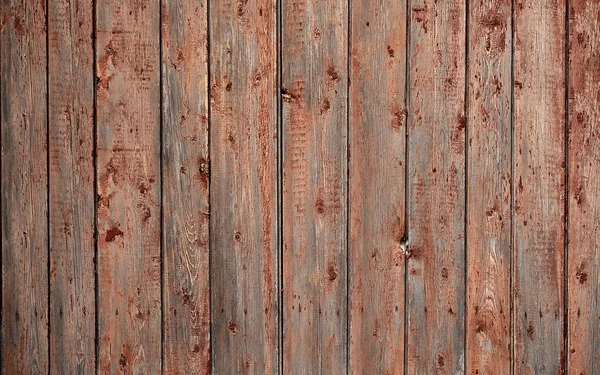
<point x="539" y="186"/>
<point x="128" y="177"/>
<point x="377" y="191"/>
<point x="243" y="184"/>
<point x="315" y="140"/>
<point x="489" y="126"/>
<point x="584" y="183"/>
<point x="24" y="180"/>
<point x="186" y="293"/>
<point x="71" y="189"/>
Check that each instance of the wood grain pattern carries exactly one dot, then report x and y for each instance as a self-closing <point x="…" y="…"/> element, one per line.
<point x="539" y="183"/>
<point x="24" y="181"/>
<point x="71" y="190"/>
<point x="489" y="172"/>
<point x="128" y="140"/>
<point x="436" y="182"/>
<point x="186" y="182"/>
<point x="584" y="187"/>
<point x="315" y="185"/>
<point x="243" y="224"/>
<point x="377" y="189"/>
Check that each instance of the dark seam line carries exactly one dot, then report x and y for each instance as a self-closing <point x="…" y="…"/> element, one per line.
<point x="1" y="226"/>
<point x="95" y="196"/>
<point x="466" y="189"/>
<point x="405" y="240"/>
<point x="348" y="156"/>
<point x="48" y="320"/>
<point x="512" y="187"/>
<point x="278" y="27"/>
<point x="210" y="240"/>
<point x="162" y="216"/>
<point x="566" y="199"/>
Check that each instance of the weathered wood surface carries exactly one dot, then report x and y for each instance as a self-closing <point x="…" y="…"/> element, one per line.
<point x="128" y="175"/>
<point x="24" y="179"/>
<point x="71" y="189"/>
<point x="315" y="158"/>
<point x="243" y="199"/>
<point x="185" y="187"/>
<point x="377" y="135"/>
<point x="584" y="188"/>
<point x="539" y="186"/>
<point x="436" y="183"/>
<point x="489" y="127"/>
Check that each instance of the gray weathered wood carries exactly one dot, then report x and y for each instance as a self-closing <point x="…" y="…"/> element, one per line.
<point x="128" y="140"/>
<point x="489" y="188"/>
<point x="24" y="187"/>
<point x="539" y="185"/>
<point x="185" y="188"/>
<point x="584" y="188"/>
<point x="377" y="188"/>
<point x="71" y="190"/>
<point x="314" y="93"/>
<point x="436" y="203"/>
<point x="243" y="184"/>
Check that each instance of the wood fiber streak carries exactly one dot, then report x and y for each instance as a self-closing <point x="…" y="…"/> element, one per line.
<point x="539" y="185"/>
<point x="243" y="199"/>
<point x="128" y="162"/>
<point x="584" y="187"/>
<point x="488" y="191"/>
<point x="436" y="141"/>
<point x="185" y="188"/>
<point x="72" y="221"/>
<point x="315" y="158"/>
<point x="24" y="204"/>
<point x="377" y="189"/>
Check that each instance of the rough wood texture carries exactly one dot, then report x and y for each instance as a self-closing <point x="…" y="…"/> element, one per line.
<point x="489" y="188"/>
<point x="539" y="145"/>
<point x="377" y="189"/>
<point x="71" y="190"/>
<point x="24" y="187"/>
<point x="315" y="185"/>
<point x="584" y="187"/>
<point x="185" y="180"/>
<point x="128" y="140"/>
<point x="243" y="222"/>
<point x="436" y="142"/>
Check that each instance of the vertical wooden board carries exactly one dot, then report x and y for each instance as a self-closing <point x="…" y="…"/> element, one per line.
<point x="23" y="121"/>
<point x="71" y="190"/>
<point x="243" y="178"/>
<point x="489" y="188"/>
<point x="314" y="93"/>
<point x="377" y="190"/>
<point x="128" y="157"/>
<point x="436" y="142"/>
<point x="185" y="187"/>
<point x="584" y="185"/>
<point x="539" y="185"/>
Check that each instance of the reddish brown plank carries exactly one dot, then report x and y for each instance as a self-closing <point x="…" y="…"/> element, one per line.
<point x="71" y="144"/>
<point x="584" y="187"/>
<point x="377" y="189"/>
<point x="128" y="140"/>
<point x="185" y="188"/>
<point x="539" y="185"/>
<point x="24" y="191"/>
<point x="243" y="179"/>
<point x="315" y="78"/>
<point x="488" y="191"/>
<point x="436" y="200"/>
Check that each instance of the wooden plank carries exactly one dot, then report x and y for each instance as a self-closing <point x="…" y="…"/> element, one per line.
<point x="584" y="185"/>
<point x="72" y="201"/>
<point x="243" y="224"/>
<point x="539" y="185"/>
<point x="489" y="172"/>
<point x="185" y="186"/>
<point x="128" y="140"/>
<point x="24" y="180"/>
<point x="314" y="93"/>
<point x="377" y="189"/>
<point x="436" y="142"/>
